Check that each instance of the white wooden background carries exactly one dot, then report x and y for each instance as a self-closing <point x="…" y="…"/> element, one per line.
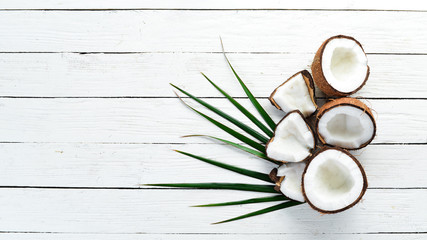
<point x="87" y="115"/>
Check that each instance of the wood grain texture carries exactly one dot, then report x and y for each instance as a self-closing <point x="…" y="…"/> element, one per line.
<point x="148" y="75"/>
<point x="130" y="165"/>
<point x="198" y="31"/>
<point x="211" y="4"/>
<point x="87" y="115"/>
<point x="160" y="120"/>
<point x="168" y="211"/>
<point x="213" y="236"/>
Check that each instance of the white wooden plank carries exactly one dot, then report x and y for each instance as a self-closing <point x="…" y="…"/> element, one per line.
<point x="159" y="120"/>
<point x="195" y="31"/>
<point x="80" y="236"/>
<point x="211" y="4"/>
<point x="130" y="165"/>
<point x="167" y="211"/>
<point x="148" y="75"/>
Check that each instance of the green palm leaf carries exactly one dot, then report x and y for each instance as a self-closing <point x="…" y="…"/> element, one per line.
<point x="229" y="186"/>
<point x="251" y="97"/>
<point x="249" y="173"/>
<point x="248" y="201"/>
<point x="242" y="109"/>
<point x="230" y="131"/>
<point x="236" y="145"/>
<point x="263" y="211"/>
<point x="231" y="119"/>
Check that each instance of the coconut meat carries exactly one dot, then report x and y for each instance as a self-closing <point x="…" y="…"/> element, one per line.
<point x="294" y="94"/>
<point x="291" y="184"/>
<point x="346" y="126"/>
<point x="344" y="64"/>
<point x="333" y="181"/>
<point x="293" y="139"/>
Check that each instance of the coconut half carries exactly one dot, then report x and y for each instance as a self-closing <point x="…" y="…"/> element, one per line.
<point x="346" y="123"/>
<point x="296" y="93"/>
<point x="289" y="178"/>
<point x="293" y="139"/>
<point x="340" y="66"/>
<point x="333" y="181"/>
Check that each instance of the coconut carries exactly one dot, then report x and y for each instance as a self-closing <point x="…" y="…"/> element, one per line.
<point x="345" y="122"/>
<point x="296" y="93"/>
<point x="333" y="181"/>
<point x="340" y="66"/>
<point x="288" y="178"/>
<point x="293" y="139"/>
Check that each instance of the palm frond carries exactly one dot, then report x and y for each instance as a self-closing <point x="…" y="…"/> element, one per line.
<point x="224" y="115"/>
<point x="230" y="131"/>
<point x="263" y="211"/>
<point x="229" y="186"/>
<point x="249" y="115"/>
<point x="251" y="97"/>
<point x="236" y="145"/>
<point x="246" y="172"/>
<point x="247" y="201"/>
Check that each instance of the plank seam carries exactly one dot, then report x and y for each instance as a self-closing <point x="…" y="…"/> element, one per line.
<point x="166" y="188"/>
<point x="191" y="52"/>
<point x="183" y="97"/>
<point x="211" y="9"/>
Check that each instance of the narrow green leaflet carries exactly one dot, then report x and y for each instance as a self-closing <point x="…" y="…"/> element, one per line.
<point x="231" y="119"/>
<point x="249" y="173"/>
<point x="230" y="131"/>
<point x="236" y="145"/>
<point x="242" y="109"/>
<point x="251" y="97"/>
<point x="247" y="201"/>
<point x="263" y="211"/>
<point x="229" y="186"/>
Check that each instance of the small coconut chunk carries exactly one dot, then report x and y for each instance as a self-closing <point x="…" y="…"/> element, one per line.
<point x="296" y="93"/>
<point x="347" y="123"/>
<point x="291" y="183"/>
<point x="333" y="181"/>
<point x="293" y="139"/>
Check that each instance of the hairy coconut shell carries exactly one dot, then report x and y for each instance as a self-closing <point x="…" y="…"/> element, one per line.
<point x="276" y="179"/>
<point x="309" y="127"/>
<point x="308" y="81"/>
<point x="365" y="181"/>
<point x="319" y="77"/>
<point x="347" y="101"/>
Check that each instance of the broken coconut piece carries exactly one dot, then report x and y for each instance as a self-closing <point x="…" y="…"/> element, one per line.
<point x="293" y="139"/>
<point x="290" y="181"/>
<point x="296" y="93"/>
<point x="333" y="181"/>
<point x="340" y="66"/>
<point x="346" y="123"/>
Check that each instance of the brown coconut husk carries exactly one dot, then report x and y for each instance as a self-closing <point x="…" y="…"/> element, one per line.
<point x="319" y="78"/>
<point x="308" y="81"/>
<point x="276" y="179"/>
<point x="365" y="181"/>
<point x="345" y="102"/>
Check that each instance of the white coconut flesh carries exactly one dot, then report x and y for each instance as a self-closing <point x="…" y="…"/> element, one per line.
<point x="333" y="181"/>
<point x="293" y="139"/>
<point x="344" y="64"/>
<point x="294" y="95"/>
<point x="346" y="127"/>
<point x="291" y="184"/>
